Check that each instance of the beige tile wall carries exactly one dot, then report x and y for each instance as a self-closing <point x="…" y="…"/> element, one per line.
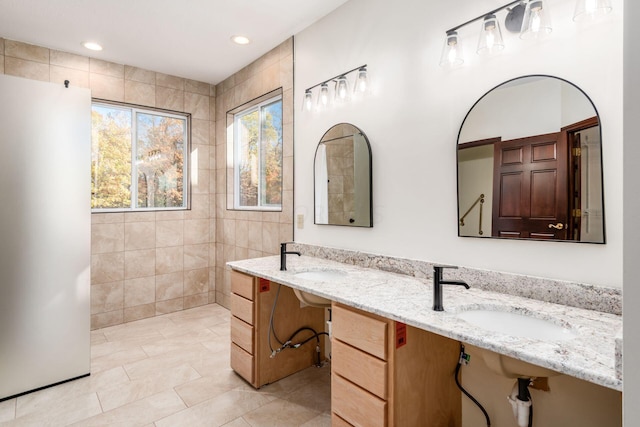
<point x="247" y="234"/>
<point x="341" y="181"/>
<point x="147" y="263"/>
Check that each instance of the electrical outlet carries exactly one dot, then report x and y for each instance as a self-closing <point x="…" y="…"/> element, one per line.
<point x="300" y="221"/>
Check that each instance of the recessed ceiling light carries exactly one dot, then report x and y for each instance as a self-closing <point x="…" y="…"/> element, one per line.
<point x="240" y="39"/>
<point x="92" y="46"/>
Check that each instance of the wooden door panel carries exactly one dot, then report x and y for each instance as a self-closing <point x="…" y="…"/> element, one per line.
<point x="511" y="195"/>
<point x="511" y="234"/>
<point x="544" y="152"/>
<point x="512" y="156"/>
<point x="543" y="194"/>
<point x="544" y="236"/>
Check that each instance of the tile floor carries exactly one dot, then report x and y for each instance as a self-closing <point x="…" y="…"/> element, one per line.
<point x="172" y="370"/>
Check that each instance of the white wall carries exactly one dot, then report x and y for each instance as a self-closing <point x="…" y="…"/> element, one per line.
<point x="526" y="109"/>
<point x="503" y="112"/>
<point x="412" y="119"/>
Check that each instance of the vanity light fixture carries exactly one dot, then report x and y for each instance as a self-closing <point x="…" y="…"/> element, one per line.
<point x="591" y="9"/>
<point x="340" y="86"/>
<point x="530" y="18"/>
<point x="490" y="36"/>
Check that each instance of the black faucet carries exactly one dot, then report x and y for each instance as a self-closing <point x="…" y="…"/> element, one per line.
<point x="283" y="255"/>
<point x="437" y="285"/>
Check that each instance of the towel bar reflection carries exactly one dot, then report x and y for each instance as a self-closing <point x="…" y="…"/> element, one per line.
<point x="480" y="200"/>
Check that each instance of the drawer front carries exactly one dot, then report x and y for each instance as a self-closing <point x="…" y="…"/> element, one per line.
<point x="355" y="405"/>
<point x="360" y="368"/>
<point x="242" y="308"/>
<point x="336" y="421"/>
<point x="242" y="334"/>
<point x="242" y="284"/>
<point x="360" y="331"/>
<point x="242" y="363"/>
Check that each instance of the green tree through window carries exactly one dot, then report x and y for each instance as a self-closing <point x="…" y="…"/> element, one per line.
<point x="258" y="156"/>
<point x="157" y="143"/>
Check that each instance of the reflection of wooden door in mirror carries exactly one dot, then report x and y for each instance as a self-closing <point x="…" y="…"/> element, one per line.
<point x="531" y="188"/>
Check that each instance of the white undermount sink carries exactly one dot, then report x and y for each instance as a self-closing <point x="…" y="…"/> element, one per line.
<point x="515" y="324"/>
<point x="519" y="325"/>
<point x="319" y="275"/>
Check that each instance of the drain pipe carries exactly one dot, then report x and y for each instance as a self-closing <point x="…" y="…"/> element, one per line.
<point x="520" y="401"/>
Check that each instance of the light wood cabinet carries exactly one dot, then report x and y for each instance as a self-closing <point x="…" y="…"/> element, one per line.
<point x="251" y="303"/>
<point x="388" y="374"/>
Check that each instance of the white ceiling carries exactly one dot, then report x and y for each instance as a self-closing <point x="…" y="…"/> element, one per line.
<point x="186" y="38"/>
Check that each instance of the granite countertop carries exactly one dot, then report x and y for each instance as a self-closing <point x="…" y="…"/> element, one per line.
<point x="590" y="356"/>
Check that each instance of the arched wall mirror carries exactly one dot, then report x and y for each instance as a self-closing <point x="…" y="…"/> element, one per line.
<point x="530" y="164"/>
<point x="342" y="178"/>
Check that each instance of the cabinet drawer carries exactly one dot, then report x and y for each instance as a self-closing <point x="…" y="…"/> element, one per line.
<point x="360" y="368"/>
<point x="336" y="421"/>
<point x="242" y="334"/>
<point x="242" y="284"/>
<point x="242" y="308"/>
<point x="355" y="405"/>
<point x="360" y="331"/>
<point x="242" y="363"/>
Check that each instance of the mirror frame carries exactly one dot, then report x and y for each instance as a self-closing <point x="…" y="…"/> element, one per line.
<point x="358" y="130"/>
<point x="597" y="114"/>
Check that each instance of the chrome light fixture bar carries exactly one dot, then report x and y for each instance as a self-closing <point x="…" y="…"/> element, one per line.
<point x="342" y="94"/>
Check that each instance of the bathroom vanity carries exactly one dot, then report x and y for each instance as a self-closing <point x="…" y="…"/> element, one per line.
<point x="384" y="372"/>
<point x="251" y="302"/>
<point x="393" y="357"/>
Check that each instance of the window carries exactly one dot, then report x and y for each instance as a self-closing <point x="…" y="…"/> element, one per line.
<point x="257" y="155"/>
<point x="138" y="158"/>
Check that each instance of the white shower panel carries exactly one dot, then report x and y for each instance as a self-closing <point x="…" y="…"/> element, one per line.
<point x="45" y="229"/>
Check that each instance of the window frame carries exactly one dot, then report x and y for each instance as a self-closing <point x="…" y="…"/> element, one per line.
<point x="234" y="148"/>
<point x="186" y="166"/>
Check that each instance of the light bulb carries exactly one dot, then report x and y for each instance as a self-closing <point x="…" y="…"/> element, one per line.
<point x="452" y="51"/>
<point x="536" y="22"/>
<point x="490" y="40"/>
<point x="308" y="100"/>
<point x="361" y="81"/>
<point x="323" y="97"/>
<point x="342" y="89"/>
